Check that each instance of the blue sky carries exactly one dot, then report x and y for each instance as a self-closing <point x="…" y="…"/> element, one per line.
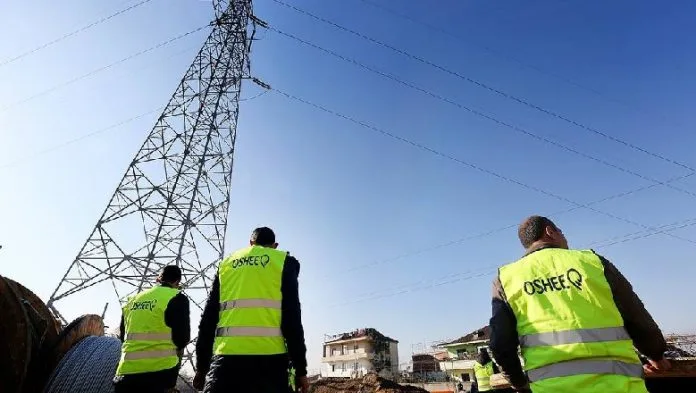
<point x="346" y="200"/>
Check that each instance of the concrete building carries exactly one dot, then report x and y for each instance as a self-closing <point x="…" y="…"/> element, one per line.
<point x="354" y="354"/>
<point x="462" y="352"/>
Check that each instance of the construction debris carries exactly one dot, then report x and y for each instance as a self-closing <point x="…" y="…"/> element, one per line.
<point x="370" y="383"/>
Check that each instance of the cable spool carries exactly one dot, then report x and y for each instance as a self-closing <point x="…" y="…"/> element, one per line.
<point x="28" y="332"/>
<point x="89" y="367"/>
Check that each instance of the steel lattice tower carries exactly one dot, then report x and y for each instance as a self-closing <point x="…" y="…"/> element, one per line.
<point x="171" y="205"/>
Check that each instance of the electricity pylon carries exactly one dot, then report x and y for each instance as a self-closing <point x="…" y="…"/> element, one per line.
<point x="171" y="205"/>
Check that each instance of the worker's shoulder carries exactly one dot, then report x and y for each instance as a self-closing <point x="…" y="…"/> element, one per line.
<point x="180" y="298"/>
<point x="291" y="260"/>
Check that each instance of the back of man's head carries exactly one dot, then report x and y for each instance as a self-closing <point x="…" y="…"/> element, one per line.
<point x="264" y="237"/>
<point x="537" y="228"/>
<point x="171" y="274"/>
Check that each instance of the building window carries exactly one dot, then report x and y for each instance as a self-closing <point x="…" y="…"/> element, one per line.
<point x="355" y="347"/>
<point x="333" y="368"/>
<point x="343" y="367"/>
<point x="355" y="366"/>
<point x="344" y="349"/>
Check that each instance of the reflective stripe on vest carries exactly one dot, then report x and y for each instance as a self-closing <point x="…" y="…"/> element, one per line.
<point x="250" y="303"/>
<point x="577" y="367"/>
<point x="483" y="375"/>
<point x="571" y="332"/>
<point x="574" y="336"/>
<point x="148" y="344"/>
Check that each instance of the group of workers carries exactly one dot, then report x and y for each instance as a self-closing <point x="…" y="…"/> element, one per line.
<point x="570" y="315"/>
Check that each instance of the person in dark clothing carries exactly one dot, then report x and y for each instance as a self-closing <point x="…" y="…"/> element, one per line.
<point x="259" y="373"/>
<point x="538" y="233"/>
<point x="176" y="317"/>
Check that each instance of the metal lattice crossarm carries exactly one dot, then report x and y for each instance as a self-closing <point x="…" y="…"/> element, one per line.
<point x="171" y="205"/>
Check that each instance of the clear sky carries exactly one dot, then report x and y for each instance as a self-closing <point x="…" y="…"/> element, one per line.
<point x="376" y="223"/>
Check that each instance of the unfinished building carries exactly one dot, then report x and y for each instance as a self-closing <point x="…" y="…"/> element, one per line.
<point x="356" y="353"/>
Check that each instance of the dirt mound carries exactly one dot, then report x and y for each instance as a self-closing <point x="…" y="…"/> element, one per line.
<point x="371" y="383"/>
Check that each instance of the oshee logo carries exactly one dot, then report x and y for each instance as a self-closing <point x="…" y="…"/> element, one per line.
<point x="251" y="260"/>
<point x="147" y="305"/>
<point x="542" y="285"/>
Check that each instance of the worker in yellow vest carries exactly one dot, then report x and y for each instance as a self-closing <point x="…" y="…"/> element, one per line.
<point x="251" y="325"/>
<point x="155" y="329"/>
<point x="483" y="369"/>
<point x="575" y="318"/>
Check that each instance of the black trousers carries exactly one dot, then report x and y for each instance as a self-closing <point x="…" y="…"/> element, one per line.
<point x="154" y="382"/>
<point x="245" y="374"/>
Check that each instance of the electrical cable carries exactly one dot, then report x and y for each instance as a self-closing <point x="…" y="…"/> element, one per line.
<point x="503" y="228"/>
<point x="68" y="35"/>
<point x="462" y="162"/>
<point x="80" y="138"/>
<point x="514" y="59"/>
<point x="479" y="113"/>
<point x="89" y="367"/>
<point x="97" y="132"/>
<point x="100" y="69"/>
<point x="490" y="88"/>
<point x="490" y="269"/>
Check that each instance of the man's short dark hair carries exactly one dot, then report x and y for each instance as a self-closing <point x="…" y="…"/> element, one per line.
<point x="532" y="229"/>
<point x="263" y="236"/>
<point x="171" y="274"/>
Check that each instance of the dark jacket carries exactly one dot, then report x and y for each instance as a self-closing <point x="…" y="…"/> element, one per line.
<point x="641" y="327"/>
<point x="227" y="370"/>
<point x="176" y="316"/>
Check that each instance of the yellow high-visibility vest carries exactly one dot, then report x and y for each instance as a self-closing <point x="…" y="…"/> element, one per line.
<point x="250" y="303"/>
<point x="572" y="335"/>
<point x="147" y="344"/>
<point x="483" y="375"/>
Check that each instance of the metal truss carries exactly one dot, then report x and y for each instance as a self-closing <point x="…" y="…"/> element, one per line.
<point x="171" y="205"/>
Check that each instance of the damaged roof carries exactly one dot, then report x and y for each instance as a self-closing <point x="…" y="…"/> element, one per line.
<point x="372" y="333"/>
<point x="481" y="334"/>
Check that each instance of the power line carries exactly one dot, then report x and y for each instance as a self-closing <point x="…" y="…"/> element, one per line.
<point x="509" y="58"/>
<point x="500" y="176"/>
<point x="490" y="88"/>
<point x="100" y="69"/>
<point x="80" y="138"/>
<point x="97" y="132"/>
<point x="477" y="112"/>
<point x="490" y="269"/>
<point x="72" y="33"/>
<point x="667" y="228"/>
<point x="507" y="227"/>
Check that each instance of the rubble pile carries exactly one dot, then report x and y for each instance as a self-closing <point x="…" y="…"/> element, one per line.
<point x="371" y="383"/>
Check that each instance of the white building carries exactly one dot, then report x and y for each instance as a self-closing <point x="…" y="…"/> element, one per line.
<point x="354" y="354"/>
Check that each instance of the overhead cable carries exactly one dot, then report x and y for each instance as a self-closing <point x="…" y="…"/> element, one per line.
<point x="509" y="57"/>
<point x="489" y="270"/>
<point x="72" y="33"/>
<point x="80" y="138"/>
<point x="490" y="88"/>
<point x="481" y="114"/>
<point x="103" y="68"/>
<point x="462" y="162"/>
<point x="506" y="227"/>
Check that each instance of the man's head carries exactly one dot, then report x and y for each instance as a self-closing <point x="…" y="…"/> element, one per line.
<point x="263" y="237"/>
<point x="170" y="276"/>
<point x="540" y="230"/>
